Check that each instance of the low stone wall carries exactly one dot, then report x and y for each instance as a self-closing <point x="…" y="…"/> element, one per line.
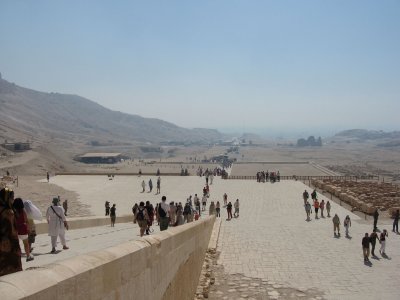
<point x="166" y="266"/>
<point x="84" y="222"/>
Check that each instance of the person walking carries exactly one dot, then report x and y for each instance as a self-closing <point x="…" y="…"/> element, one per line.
<point x="10" y="251"/>
<point x="150" y="213"/>
<point x="382" y="240"/>
<point x="218" y="209"/>
<point x="328" y="208"/>
<point x="305" y="196"/>
<point x="141" y="218"/>
<point x="229" y="210"/>
<point x="179" y="215"/>
<point x="314" y="195"/>
<point x="156" y="213"/>
<point x="347" y="225"/>
<point x="307" y="207"/>
<point x="316" y="207"/>
<point x="204" y="203"/>
<point x="225" y="198"/>
<point x="134" y="208"/>
<point x="143" y="186"/>
<point x="186" y="212"/>
<point x="57" y="224"/>
<point x="172" y="213"/>
<point x="236" y="205"/>
<point x="21" y="220"/>
<point x="158" y="185"/>
<point x="372" y="239"/>
<point x="197" y="204"/>
<point x="163" y="212"/>
<point x="336" y="225"/>
<point x="113" y="215"/>
<point x="396" y="222"/>
<point x="107" y="206"/>
<point x="365" y="247"/>
<point x="65" y="206"/>
<point x="48" y="177"/>
<point x="150" y="185"/>
<point x="321" y="207"/>
<point x="376" y="215"/>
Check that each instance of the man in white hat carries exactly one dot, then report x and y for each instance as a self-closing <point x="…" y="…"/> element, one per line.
<point x="57" y="223"/>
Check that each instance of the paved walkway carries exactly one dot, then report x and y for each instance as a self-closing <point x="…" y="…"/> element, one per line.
<point x="270" y="242"/>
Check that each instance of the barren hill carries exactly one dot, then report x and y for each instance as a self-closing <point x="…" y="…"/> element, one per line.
<point x="60" y="126"/>
<point x="364" y="134"/>
<point x="34" y="114"/>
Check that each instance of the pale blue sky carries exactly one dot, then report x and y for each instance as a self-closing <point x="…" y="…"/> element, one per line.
<point x="217" y="64"/>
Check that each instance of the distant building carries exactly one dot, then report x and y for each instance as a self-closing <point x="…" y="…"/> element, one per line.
<point x="17" y="147"/>
<point x="100" y="158"/>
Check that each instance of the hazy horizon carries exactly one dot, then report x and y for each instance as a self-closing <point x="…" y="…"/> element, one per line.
<point x="261" y="66"/>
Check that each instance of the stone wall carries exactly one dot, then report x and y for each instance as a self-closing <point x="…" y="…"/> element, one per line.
<point x="166" y="266"/>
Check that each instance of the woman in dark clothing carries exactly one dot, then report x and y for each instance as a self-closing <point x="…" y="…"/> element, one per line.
<point x="113" y="215"/>
<point x="10" y="252"/>
<point x="229" y="209"/>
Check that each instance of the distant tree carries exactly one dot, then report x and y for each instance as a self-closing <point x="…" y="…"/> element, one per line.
<point x="302" y="143"/>
<point x="311" y="141"/>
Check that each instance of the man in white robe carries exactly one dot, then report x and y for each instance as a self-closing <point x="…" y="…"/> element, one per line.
<point x="57" y="223"/>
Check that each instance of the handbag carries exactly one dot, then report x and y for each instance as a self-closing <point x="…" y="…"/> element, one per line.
<point x="61" y="219"/>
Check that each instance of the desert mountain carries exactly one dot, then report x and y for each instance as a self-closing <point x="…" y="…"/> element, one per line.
<point x="33" y="115"/>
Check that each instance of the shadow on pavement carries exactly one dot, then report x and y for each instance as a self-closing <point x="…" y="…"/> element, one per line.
<point x="368" y="263"/>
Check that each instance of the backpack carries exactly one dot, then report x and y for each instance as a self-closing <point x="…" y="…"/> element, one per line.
<point x="161" y="211"/>
<point x="140" y="214"/>
<point x="187" y="210"/>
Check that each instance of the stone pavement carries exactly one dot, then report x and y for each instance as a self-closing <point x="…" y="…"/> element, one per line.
<point x="272" y="242"/>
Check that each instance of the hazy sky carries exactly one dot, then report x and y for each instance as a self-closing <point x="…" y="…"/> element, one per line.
<point x="217" y="64"/>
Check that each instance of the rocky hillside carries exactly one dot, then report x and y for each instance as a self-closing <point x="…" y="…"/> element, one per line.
<point x="364" y="134"/>
<point x="33" y="115"/>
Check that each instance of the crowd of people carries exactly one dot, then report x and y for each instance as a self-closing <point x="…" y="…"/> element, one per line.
<point x="177" y="213"/>
<point x="268" y="176"/>
<point x="369" y="240"/>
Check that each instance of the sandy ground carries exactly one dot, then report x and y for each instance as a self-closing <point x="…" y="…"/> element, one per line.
<point x="124" y="191"/>
<point x="41" y="193"/>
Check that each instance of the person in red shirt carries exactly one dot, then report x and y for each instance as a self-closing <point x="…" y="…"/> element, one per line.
<point x="21" y="219"/>
<point x="316" y="207"/>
